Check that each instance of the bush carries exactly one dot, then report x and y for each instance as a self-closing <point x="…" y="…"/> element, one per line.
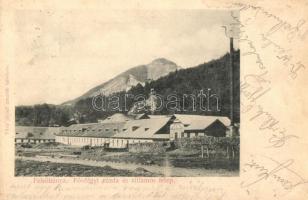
<point x="155" y="147"/>
<point x="77" y="153"/>
<point x="217" y="146"/>
<point x="86" y="147"/>
<point x="27" y="145"/>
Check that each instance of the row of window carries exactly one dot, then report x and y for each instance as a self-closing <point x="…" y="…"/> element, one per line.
<point x="81" y="130"/>
<point x="93" y="141"/>
<point x="99" y="130"/>
<point x="188" y="135"/>
<point x="30" y="140"/>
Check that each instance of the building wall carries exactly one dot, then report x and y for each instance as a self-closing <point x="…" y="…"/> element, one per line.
<point x="192" y="134"/>
<point x="176" y="130"/>
<point x="217" y="129"/>
<point x="110" y="142"/>
<point x="32" y="141"/>
<point x="82" y="141"/>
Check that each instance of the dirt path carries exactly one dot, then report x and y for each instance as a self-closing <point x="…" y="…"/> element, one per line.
<point x="167" y="170"/>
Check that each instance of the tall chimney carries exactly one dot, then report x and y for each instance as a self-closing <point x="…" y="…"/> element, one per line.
<point x="231" y="82"/>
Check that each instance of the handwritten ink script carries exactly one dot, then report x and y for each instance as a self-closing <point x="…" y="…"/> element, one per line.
<point x="275" y="37"/>
<point x="265" y="169"/>
<point x="256" y="44"/>
<point x="270" y="53"/>
<point x="254" y="87"/>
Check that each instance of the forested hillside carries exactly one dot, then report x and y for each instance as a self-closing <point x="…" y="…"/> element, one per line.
<point x="42" y="115"/>
<point x="212" y="75"/>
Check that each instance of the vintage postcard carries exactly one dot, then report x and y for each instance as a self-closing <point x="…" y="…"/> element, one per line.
<point x="153" y="100"/>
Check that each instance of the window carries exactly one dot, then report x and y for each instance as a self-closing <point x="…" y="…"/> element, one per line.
<point x="124" y="129"/>
<point x="176" y="135"/>
<point x="146" y="129"/>
<point x="107" y="129"/>
<point x="182" y="134"/>
<point x="115" y="129"/>
<point x="188" y="135"/>
<point x="30" y="135"/>
<point x="135" y="128"/>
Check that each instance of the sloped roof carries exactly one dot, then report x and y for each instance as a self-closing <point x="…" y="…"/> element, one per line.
<point x="200" y="122"/>
<point x="147" y="116"/>
<point x="143" y="128"/>
<point x="159" y="116"/>
<point x="141" y="116"/>
<point x="117" y="117"/>
<point x="92" y="130"/>
<point x="32" y="132"/>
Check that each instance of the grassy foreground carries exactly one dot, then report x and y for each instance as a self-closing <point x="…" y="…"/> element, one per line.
<point x="35" y="168"/>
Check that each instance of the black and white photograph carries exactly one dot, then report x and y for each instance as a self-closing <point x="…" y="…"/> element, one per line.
<point x="127" y="93"/>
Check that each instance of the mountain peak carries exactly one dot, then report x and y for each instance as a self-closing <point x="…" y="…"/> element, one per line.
<point x="139" y="74"/>
<point x="162" y="61"/>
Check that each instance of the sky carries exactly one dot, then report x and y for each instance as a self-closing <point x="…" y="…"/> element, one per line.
<point x="62" y="54"/>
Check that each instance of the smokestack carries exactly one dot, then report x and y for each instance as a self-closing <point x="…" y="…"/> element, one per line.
<point x="231" y="82"/>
